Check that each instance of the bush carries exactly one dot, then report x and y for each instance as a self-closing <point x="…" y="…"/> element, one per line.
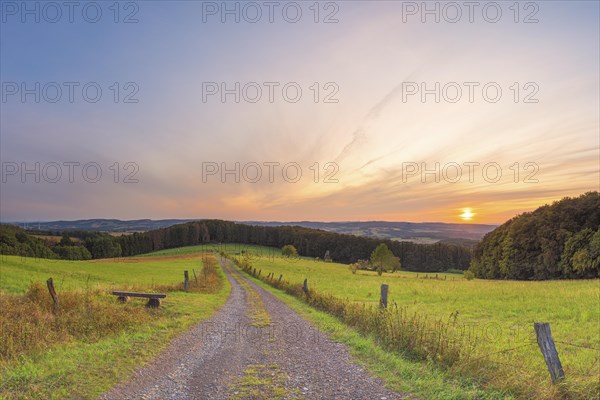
<point x="468" y="275"/>
<point x="289" y="251"/>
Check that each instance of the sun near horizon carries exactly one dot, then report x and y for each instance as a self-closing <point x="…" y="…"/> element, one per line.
<point x="467" y="214"/>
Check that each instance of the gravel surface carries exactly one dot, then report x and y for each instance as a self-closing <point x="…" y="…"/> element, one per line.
<point x="212" y="359"/>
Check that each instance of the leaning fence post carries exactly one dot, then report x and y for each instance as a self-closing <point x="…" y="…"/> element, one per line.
<point x="195" y="278"/>
<point x="254" y="273"/>
<point x="280" y="276"/>
<point x="548" y="348"/>
<point x="50" y="284"/>
<point x="383" y="300"/>
<point x="305" y="285"/>
<point x="186" y="281"/>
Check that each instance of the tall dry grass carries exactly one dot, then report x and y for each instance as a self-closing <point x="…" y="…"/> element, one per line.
<point x="28" y="322"/>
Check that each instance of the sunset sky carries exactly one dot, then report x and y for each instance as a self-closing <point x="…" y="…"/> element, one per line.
<point x="377" y="137"/>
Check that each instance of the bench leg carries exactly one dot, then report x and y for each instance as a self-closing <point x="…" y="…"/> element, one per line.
<point x="153" y="303"/>
<point x="122" y="299"/>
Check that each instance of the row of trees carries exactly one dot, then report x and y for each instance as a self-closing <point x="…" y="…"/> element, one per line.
<point x="561" y="240"/>
<point x="307" y="242"/>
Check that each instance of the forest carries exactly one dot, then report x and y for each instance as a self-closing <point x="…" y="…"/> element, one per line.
<point x="558" y="241"/>
<point x="561" y="240"/>
<point x="309" y="243"/>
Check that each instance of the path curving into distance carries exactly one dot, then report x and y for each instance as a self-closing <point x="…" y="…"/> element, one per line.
<point x="254" y="347"/>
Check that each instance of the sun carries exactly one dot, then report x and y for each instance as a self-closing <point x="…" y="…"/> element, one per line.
<point x="467" y="214"/>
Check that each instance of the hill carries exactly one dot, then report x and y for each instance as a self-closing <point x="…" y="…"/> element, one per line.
<point x="417" y="232"/>
<point x="309" y="242"/>
<point x="561" y="240"/>
<point x="102" y="225"/>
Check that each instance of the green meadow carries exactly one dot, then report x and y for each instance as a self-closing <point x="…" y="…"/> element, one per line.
<point x="17" y="273"/>
<point x="495" y="318"/>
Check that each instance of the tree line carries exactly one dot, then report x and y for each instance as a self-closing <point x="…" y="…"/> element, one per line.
<point x="555" y="241"/>
<point x="309" y="242"/>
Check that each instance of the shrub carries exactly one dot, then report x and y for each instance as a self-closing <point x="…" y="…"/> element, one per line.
<point x="468" y="275"/>
<point x="289" y="251"/>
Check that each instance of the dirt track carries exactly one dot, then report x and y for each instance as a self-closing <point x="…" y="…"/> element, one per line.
<point x="255" y="347"/>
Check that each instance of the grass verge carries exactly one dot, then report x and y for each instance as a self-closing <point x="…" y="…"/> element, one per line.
<point x="92" y="343"/>
<point x="422" y="379"/>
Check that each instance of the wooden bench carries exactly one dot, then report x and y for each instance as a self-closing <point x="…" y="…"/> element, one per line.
<point x="153" y="298"/>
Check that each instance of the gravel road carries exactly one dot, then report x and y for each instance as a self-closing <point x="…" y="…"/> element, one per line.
<point x="232" y="356"/>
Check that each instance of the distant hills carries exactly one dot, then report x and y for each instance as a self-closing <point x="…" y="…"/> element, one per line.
<point x="418" y="232"/>
<point x="102" y="225"/>
<point x="424" y="232"/>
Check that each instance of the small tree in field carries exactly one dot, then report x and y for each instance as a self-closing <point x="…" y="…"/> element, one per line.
<point x="469" y="275"/>
<point x="327" y="256"/>
<point x="383" y="259"/>
<point x="289" y="251"/>
<point x="360" y="264"/>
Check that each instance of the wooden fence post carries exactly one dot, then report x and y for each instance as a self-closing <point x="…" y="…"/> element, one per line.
<point x="259" y="271"/>
<point x="383" y="300"/>
<point x="305" y="285"/>
<point x="254" y="273"/>
<point x="186" y="281"/>
<point x="548" y="348"/>
<point x="195" y="278"/>
<point x="50" y="284"/>
<point x="280" y="276"/>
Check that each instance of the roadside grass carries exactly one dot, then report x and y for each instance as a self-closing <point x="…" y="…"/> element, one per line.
<point x="492" y="321"/>
<point x="92" y="342"/>
<point x="400" y="374"/>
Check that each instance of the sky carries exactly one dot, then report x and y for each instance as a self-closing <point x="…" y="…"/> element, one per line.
<point x="289" y="111"/>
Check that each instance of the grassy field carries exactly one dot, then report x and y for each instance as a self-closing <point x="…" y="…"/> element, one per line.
<point x="105" y="339"/>
<point x="17" y="273"/>
<point x="497" y="317"/>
